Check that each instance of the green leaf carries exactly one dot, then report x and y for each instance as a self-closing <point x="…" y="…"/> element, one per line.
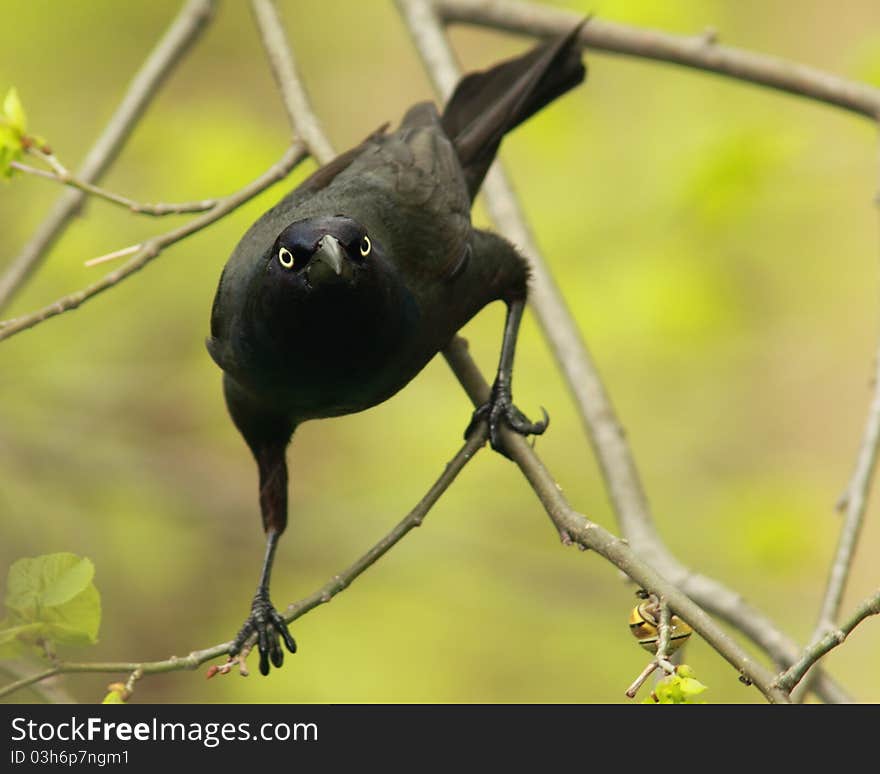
<point x="690" y="687"/>
<point x="683" y="670"/>
<point x="13" y="112"/>
<point x="679" y="688"/>
<point x="76" y="621"/>
<point x="51" y="599"/>
<point x="46" y="581"/>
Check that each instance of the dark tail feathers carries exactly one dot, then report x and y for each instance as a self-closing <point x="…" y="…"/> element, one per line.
<point x="487" y="105"/>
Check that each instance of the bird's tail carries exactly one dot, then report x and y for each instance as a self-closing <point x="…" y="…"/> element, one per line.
<point x="486" y="105"/>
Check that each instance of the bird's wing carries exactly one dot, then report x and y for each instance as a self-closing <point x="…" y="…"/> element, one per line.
<point x="411" y="182"/>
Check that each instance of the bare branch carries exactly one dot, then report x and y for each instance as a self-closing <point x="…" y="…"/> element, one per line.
<point x="153" y="247"/>
<point x="183" y="32"/>
<point x="413" y="519"/>
<point x="651" y="667"/>
<point x="831" y="639"/>
<point x="661" y="658"/>
<point x="63" y="176"/>
<point x="121" y="253"/>
<point x="854" y="502"/>
<point x="299" y="113"/>
<point x="663" y="631"/>
<point x="699" y="51"/>
<point x="49" y="691"/>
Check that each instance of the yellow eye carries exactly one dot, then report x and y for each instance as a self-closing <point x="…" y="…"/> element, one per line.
<point x="285" y="258"/>
<point x="366" y="246"/>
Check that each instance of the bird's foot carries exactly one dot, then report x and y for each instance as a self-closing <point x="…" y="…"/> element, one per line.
<point x="500" y="409"/>
<point x="266" y="622"/>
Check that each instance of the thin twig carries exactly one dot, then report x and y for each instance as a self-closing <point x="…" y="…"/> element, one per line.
<point x="605" y="430"/>
<point x="153" y="247"/>
<point x="183" y="32"/>
<point x="48" y="691"/>
<point x="664" y="629"/>
<point x="64" y="177"/>
<point x="121" y="253"/>
<point x="413" y="519"/>
<point x="698" y="51"/>
<point x="651" y="667"/>
<point x="661" y="657"/>
<point x="853" y="503"/>
<point x="854" y="500"/>
<point x="296" y="102"/>
<point x="831" y="639"/>
<point x="321" y="596"/>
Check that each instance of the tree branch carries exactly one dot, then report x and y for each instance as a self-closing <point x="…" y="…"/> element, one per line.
<point x="49" y="691"/>
<point x="300" y="115"/>
<point x="831" y="639"/>
<point x="153" y="247"/>
<point x="853" y="502"/>
<point x="63" y="176"/>
<point x="699" y="51"/>
<point x="180" y="36"/>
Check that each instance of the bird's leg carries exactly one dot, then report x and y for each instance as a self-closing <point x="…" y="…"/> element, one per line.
<point x="265" y="621"/>
<point x="499" y="408"/>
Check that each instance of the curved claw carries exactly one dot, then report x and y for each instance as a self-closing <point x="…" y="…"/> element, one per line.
<point x="500" y="408"/>
<point x="269" y="627"/>
<point x="523" y="426"/>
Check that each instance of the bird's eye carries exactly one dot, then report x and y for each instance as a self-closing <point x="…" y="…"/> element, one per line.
<point x="285" y="258"/>
<point x="366" y="246"/>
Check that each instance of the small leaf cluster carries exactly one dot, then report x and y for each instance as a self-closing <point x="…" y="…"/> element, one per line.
<point x="678" y="688"/>
<point x="50" y="600"/>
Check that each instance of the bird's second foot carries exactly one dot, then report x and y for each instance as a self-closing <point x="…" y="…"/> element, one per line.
<point x="266" y="622"/>
<point x="500" y="409"/>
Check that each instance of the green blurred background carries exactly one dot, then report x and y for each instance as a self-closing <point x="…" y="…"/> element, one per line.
<point x="716" y="241"/>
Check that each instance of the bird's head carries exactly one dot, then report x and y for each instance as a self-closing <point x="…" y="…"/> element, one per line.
<point x="324" y="252"/>
<point x="322" y="296"/>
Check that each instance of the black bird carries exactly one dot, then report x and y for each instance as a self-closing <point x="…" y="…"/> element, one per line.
<point x="341" y="293"/>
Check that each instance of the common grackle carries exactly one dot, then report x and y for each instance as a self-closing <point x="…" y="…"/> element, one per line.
<point x="341" y="293"/>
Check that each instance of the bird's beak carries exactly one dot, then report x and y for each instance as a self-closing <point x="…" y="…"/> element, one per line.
<point x="329" y="252"/>
<point x="329" y="266"/>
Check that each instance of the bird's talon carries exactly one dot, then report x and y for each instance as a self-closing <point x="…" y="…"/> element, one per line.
<point x="500" y="409"/>
<point x="269" y="627"/>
